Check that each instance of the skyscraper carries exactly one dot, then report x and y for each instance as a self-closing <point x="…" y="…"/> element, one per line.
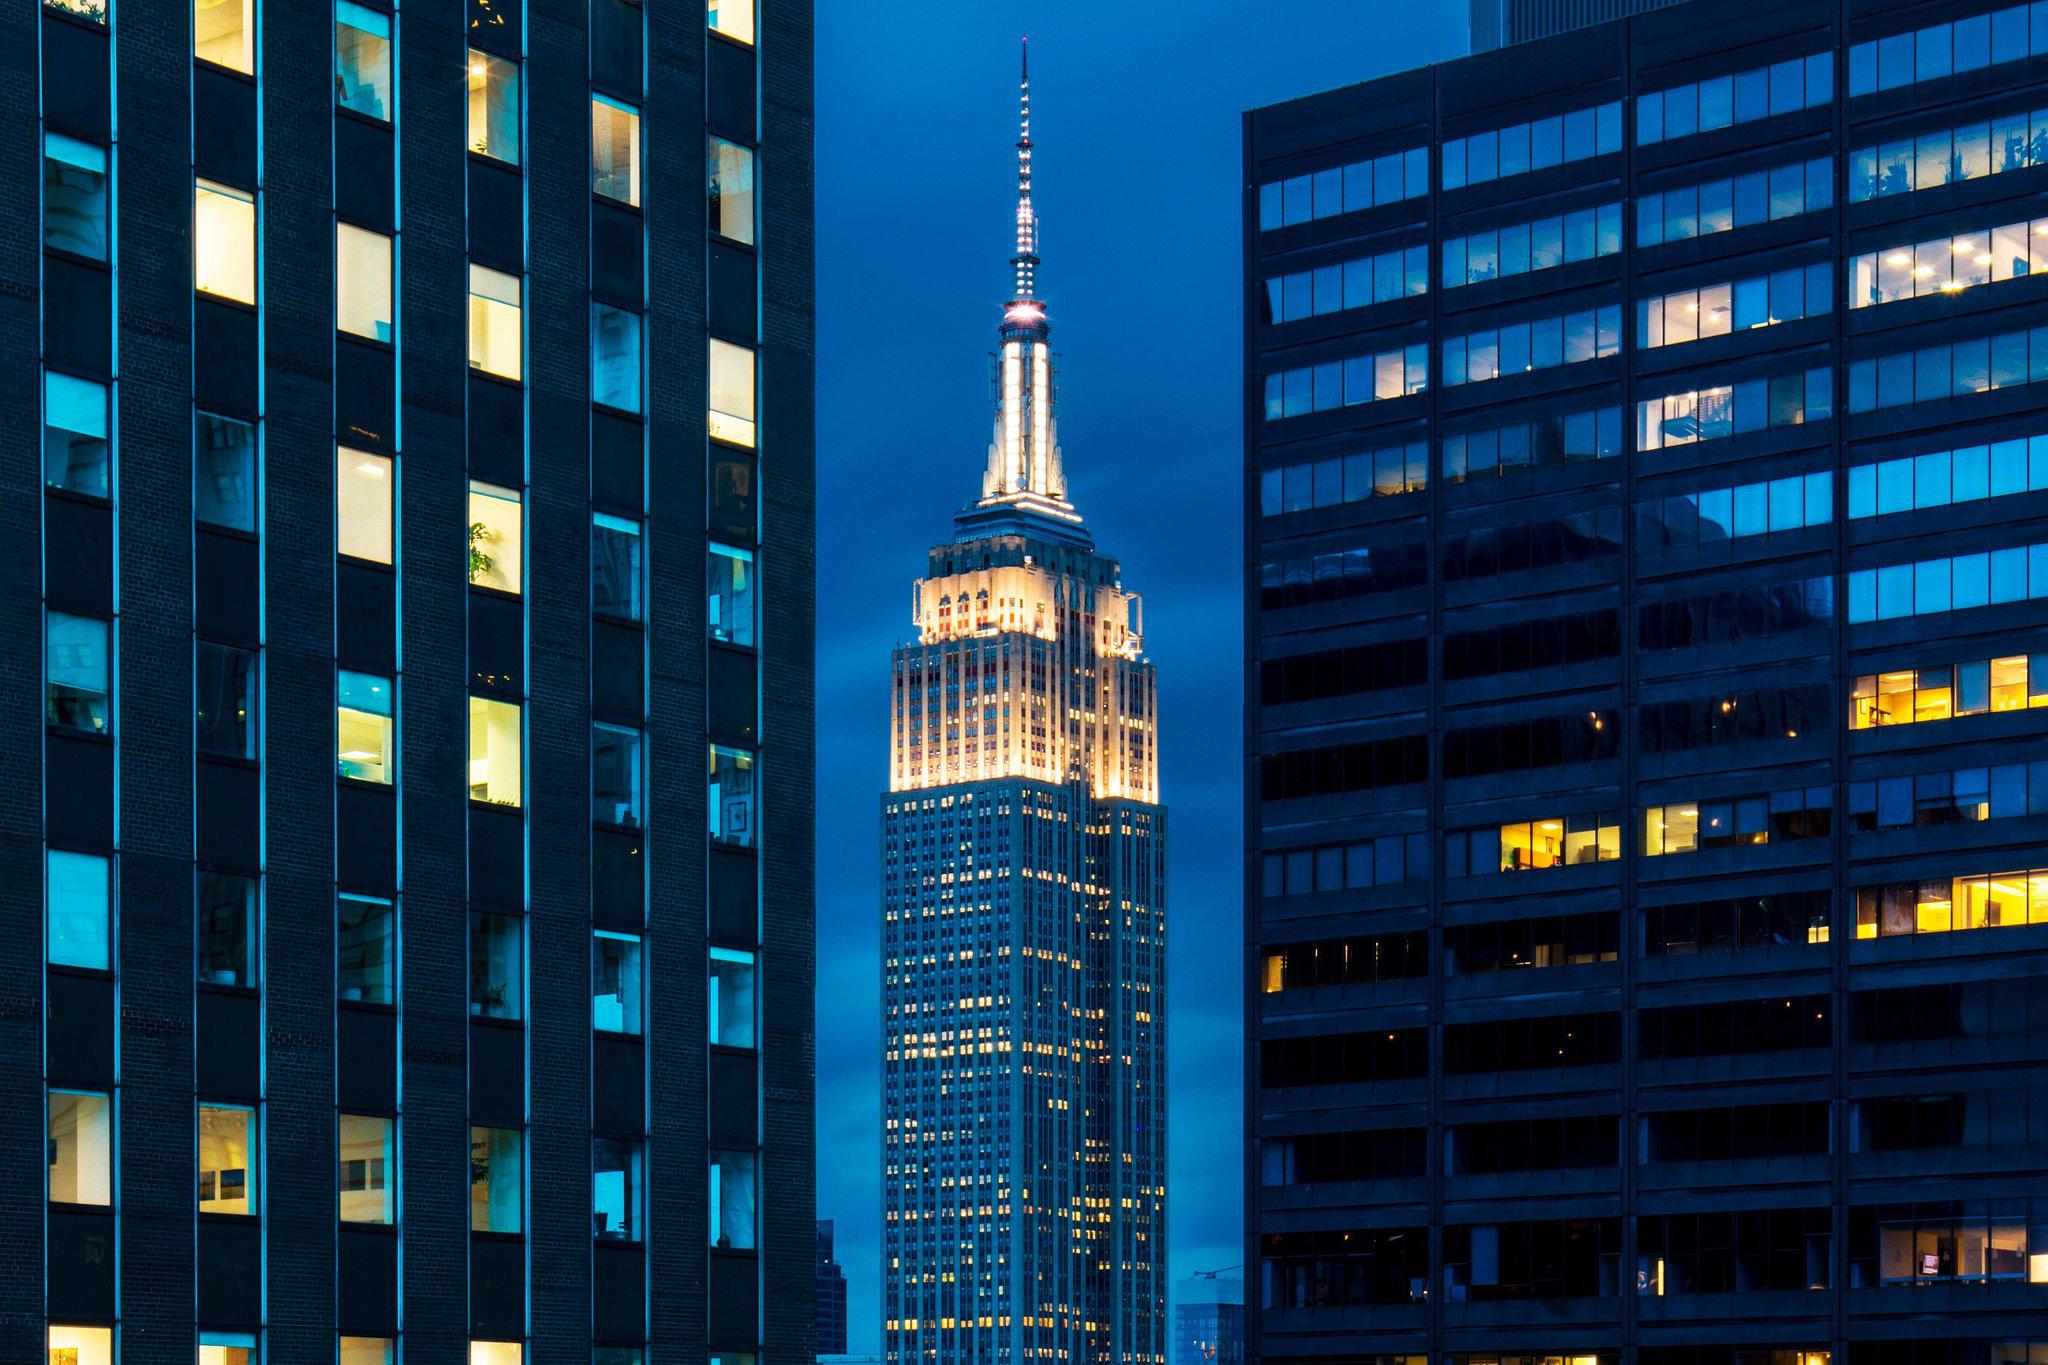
<point x="831" y="1333"/>
<point x="1208" y="1321"/>
<point x="1024" y="1156"/>
<point x="1503" y="23"/>
<point x="405" y="781"/>
<point x="1648" y="705"/>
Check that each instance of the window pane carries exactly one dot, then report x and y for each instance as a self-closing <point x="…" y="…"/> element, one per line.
<point x="732" y="494"/>
<point x="614" y="149"/>
<point x="494" y="106"/>
<point x="496" y="1184"/>
<point x="615" y="1190"/>
<point x="497" y="547"/>
<point x="74" y="196"/>
<point x="729" y="594"/>
<point x="227" y="1166"/>
<point x="731" y="797"/>
<point x="615" y="566"/>
<point x="364" y="727"/>
<point x="614" y="982"/>
<point x="224" y="241"/>
<point x="224" y="33"/>
<point x="732" y="393"/>
<point x="226" y="703"/>
<point x="733" y="18"/>
<point x="362" y="60"/>
<point x="731" y="169"/>
<point x="362" y="282"/>
<point x="732" y="1200"/>
<point x="81" y="1148"/>
<point x="227" y="1348"/>
<point x="496" y="343"/>
<point x="614" y="357"/>
<point x="497" y="965"/>
<point x="79" y="672"/>
<point x="496" y="1353"/>
<point x="226" y="928"/>
<point x="732" y="998"/>
<point x="78" y="890"/>
<point x="82" y="1345"/>
<point x="614" y="775"/>
<point x="368" y="1351"/>
<point x="362" y="504"/>
<point x="367" y="1170"/>
<point x="223" y="472"/>
<point x="366" y="938"/>
<point x="494" y="751"/>
<point x="77" y="454"/>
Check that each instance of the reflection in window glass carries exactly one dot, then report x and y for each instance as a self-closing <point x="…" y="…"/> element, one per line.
<point x="497" y="965"/>
<point x="496" y="1185"/>
<point x="615" y="149"/>
<point x="614" y="982"/>
<point x="614" y="774"/>
<point x="362" y="59"/>
<point x="729" y="594"/>
<point x="78" y="892"/>
<point x="732" y="393"/>
<point x="225" y="915"/>
<point x="226" y="694"/>
<point x="362" y="504"/>
<point x="362" y="282"/>
<point x="494" y="106"/>
<point x="731" y="797"/>
<point x="494" y="751"/>
<point x="223" y="472"/>
<point x="366" y="942"/>
<point x="731" y="998"/>
<point x="81" y="1345"/>
<point x="227" y="1159"/>
<point x="368" y="1351"/>
<point x="615" y="1189"/>
<point x="81" y="1147"/>
<point x="614" y="357"/>
<point x="496" y="342"/>
<point x="80" y="671"/>
<point x="731" y="170"/>
<point x="367" y="1169"/>
<point x="77" y="454"/>
<point x="224" y="33"/>
<point x="227" y="1348"/>
<point x="223" y="241"/>
<point x="497" y="542"/>
<point x="74" y="196"/>
<point x="733" y="18"/>
<point x="732" y="494"/>
<point x="363" y="714"/>
<point x="732" y="1200"/>
<point x="614" y="566"/>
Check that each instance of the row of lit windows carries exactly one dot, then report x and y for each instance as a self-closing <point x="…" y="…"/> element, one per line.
<point x="1539" y="344"/>
<point x="1944" y="904"/>
<point x="1951" y="583"/>
<point x="1339" y="479"/>
<point x="1942" y="477"/>
<point x="1713" y="310"/>
<point x="1948" y="265"/>
<point x="1912" y="696"/>
<point x="1947" y="157"/>
<point x="1734" y="409"/>
<point x="1347" y="383"/>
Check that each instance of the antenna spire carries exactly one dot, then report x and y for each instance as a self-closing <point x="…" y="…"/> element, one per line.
<point x="1025" y="261"/>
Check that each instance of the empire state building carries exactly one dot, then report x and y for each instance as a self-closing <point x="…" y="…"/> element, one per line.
<point x="1024" y="899"/>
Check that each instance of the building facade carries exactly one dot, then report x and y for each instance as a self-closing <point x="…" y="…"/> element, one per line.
<point x="1208" y="1322"/>
<point x="1503" y="23"/>
<point x="1647" y="487"/>
<point x="1024" y="883"/>
<point x="830" y="1336"/>
<point x="407" y="806"/>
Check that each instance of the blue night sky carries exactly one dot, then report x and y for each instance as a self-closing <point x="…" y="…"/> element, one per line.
<point x="1136" y="119"/>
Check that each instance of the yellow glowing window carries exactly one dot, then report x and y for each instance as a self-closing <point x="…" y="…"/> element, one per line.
<point x="81" y="1345"/>
<point x="496" y="339"/>
<point x="81" y="1148"/>
<point x="494" y="106"/>
<point x="227" y="1168"/>
<point x="494" y="766"/>
<point x="364" y="729"/>
<point x="496" y="1353"/>
<point x="496" y="537"/>
<point x="367" y="1169"/>
<point x="362" y="504"/>
<point x="368" y="1351"/>
<point x="224" y="241"/>
<point x="362" y="282"/>
<point x="733" y="18"/>
<point x="615" y="149"/>
<point x="732" y="393"/>
<point x="224" y="33"/>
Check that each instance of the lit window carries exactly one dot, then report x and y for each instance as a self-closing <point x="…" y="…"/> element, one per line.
<point x="614" y="774"/>
<point x="81" y="1147"/>
<point x="733" y="18"/>
<point x="362" y="282"/>
<point x="362" y="60"/>
<point x="732" y="393"/>
<point x="81" y="1345"/>
<point x="496" y="1182"/>
<point x="494" y="751"/>
<point x="79" y="673"/>
<point x="729" y="594"/>
<point x="223" y="241"/>
<point x="732" y="1200"/>
<point x="615" y="1189"/>
<point x="731" y="171"/>
<point x="614" y="982"/>
<point x="496" y="1353"/>
<point x="77" y="454"/>
<point x="730" y="806"/>
<point x="227" y="1158"/>
<point x="367" y="1169"/>
<point x="614" y="357"/>
<point x="223" y="472"/>
<point x="494" y="106"/>
<point x="74" y="196"/>
<point x="363" y="739"/>
<point x="368" y="1351"/>
<point x="497" y="546"/>
<point x="366" y="943"/>
<point x="497" y="971"/>
<point x="226" y="928"/>
<point x="227" y="1348"/>
<point x="615" y="149"/>
<point x="224" y="33"/>
<point x="226" y="688"/>
<point x="496" y="345"/>
<point x="732" y="998"/>
<point x="78" y="890"/>
<point x="362" y="504"/>
<point x="614" y="566"/>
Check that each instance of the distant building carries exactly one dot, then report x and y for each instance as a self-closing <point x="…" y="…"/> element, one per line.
<point x="1503" y="23"/>
<point x="1208" y="1322"/>
<point x="831" y="1340"/>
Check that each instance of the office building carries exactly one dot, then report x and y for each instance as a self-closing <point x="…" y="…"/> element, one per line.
<point x="1503" y="23"/>
<point x="831" y="1330"/>
<point x="1208" y="1322"/>
<point x="1648" y="570"/>
<point x="416" y="845"/>
<point x="1023" y="934"/>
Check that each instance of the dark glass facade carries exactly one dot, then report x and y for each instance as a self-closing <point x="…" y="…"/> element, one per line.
<point x="1647" y="486"/>
<point x="406" y="810"/>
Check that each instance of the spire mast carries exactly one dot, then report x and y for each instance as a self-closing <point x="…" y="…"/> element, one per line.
<point x="1025" y="261"/>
